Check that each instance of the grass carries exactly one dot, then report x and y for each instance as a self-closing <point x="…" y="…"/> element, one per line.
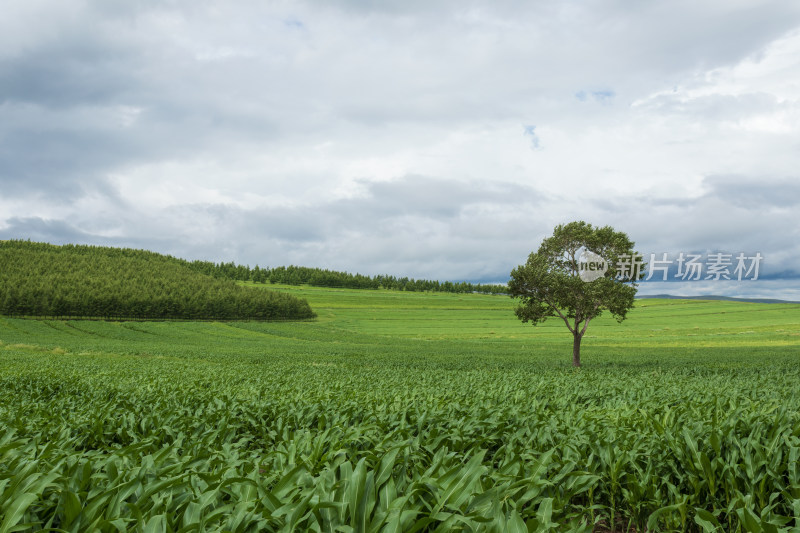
<point x="395" y="411"/>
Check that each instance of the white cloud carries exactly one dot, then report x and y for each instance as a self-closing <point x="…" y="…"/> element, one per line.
<point x="300" y="132"/>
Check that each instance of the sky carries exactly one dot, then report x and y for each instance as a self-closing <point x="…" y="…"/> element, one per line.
<point x="429" y="139"/>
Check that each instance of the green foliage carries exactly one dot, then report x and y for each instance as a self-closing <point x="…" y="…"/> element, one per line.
<point x="397" y="411"/>
<point x="548" y="285"/>
<point x="38" y="279"/>
<point x="318" y="277"/>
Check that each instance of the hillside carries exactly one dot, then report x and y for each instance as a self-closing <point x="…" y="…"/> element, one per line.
<point x="38" y="279"/>
<point x="718" y="297"/>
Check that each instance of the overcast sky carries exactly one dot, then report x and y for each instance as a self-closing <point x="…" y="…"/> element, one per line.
<point x="430" y="139"/>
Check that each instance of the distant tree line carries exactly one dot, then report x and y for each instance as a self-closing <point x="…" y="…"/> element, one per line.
<point x="38" y="279"/>
<point x="295" y="275"/>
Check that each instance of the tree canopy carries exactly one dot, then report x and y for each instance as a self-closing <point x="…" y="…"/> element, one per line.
<point x="38" y="279"/>
<point x="550" y="283"/>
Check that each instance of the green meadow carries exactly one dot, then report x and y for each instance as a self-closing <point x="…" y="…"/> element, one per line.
<point x="402" y="411"/>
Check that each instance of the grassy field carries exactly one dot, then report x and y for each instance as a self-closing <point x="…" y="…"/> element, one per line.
<point x="401" y="411"/>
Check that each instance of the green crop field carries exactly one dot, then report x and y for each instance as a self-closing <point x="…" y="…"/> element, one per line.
<point x="399" y="411"/>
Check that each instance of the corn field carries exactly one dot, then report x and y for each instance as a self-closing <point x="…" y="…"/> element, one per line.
<point x="318" y="427"/>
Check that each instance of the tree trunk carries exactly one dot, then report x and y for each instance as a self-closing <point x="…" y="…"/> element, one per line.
<point x="576" y="349"/>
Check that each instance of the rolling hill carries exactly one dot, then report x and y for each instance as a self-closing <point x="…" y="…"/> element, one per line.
<point x="45" y="280"/>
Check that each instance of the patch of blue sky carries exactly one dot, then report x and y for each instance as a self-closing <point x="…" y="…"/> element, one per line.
<point x="603" y="96"/>
<point x="530" y="131"/>
<point x="293" y="22"/>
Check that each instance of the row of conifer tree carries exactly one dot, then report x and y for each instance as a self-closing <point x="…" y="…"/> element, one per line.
<point x="296" y="275"/>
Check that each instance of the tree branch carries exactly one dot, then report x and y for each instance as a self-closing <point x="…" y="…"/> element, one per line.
<point x="557" y="310"/>
<point x="586" y="324"/>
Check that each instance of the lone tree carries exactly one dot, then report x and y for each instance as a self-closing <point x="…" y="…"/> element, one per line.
<point x="577" y="274"/>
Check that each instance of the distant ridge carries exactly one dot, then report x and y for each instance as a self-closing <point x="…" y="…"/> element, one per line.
<point x="718" y="297"/>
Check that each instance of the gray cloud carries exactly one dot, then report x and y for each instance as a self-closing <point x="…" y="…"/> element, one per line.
<point x="39" y="229"/>
<point x="436" y="198"/>
<point x="74" y="70"/>
<point x="416" y="226"/>
<point x="734" y="214"/>
<point x="436" y="228"/>
<point x="754" y="194"/>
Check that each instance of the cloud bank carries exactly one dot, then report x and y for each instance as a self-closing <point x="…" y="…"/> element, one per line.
<point x="429" y="139"/>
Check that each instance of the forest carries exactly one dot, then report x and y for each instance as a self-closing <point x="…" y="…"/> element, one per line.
<point x="317" y="277"/>
<point x="38" y="279"/>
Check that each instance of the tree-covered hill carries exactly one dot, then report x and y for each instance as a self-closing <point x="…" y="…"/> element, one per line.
<point x="38" y="279"/>
<point x="318" y="277"/>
